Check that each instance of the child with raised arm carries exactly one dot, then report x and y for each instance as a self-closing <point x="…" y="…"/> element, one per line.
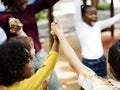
<point x="88" y="30"/>
<point x="16" y="27"/>
<point x="16" y="65"/>
<point x="88" y="79"/>
<point x="26" y="14"/>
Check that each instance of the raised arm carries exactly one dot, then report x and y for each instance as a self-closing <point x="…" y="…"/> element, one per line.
<point x="87" y="78"/>
<point x="16" y="27"/>
<point x="108" y="22"/>
<point x="68" y="51"/>
<point x="43" y="4"/>
<point x="77" y="14"/>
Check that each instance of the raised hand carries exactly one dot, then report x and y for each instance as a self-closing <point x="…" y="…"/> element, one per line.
<point x="56" y="26"/>
<point x="15" y="26"/>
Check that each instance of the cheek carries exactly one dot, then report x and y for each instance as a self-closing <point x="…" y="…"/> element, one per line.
<point x="28" y="70"/>
<point x="33" y="52"/>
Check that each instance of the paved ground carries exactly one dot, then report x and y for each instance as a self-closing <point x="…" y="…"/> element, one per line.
<point x="65" y="73"/>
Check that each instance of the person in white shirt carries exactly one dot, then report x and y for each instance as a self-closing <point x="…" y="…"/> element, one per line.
<point x="113" y="63"/>
<point x="3" y="36"/>
<point x="87" y="78"/>
<point x="88" y="30"/>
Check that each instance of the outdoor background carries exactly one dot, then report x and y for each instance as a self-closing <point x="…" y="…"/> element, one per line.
<point x="64" y="10"/>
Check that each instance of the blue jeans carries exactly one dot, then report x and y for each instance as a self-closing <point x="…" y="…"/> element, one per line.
<point x="39" y="59"/>
<point x="99" y="65"/>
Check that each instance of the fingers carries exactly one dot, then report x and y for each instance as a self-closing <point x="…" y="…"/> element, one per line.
<point x="54" y="23"/>
<point x="15" y="25"/>
<point x="15" y="22"/>
<point x="52" y="32"/>
<point x="56" y="20"/>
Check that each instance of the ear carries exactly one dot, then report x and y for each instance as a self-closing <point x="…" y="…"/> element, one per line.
<point x="110" y="71"/>
<point x="110" y="68"/>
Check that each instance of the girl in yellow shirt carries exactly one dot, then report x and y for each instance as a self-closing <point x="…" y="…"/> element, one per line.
<point x="16" y="65"/>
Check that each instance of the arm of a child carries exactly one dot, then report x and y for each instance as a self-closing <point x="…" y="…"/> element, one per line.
<point x="36" y="80"/>
<point x="43" y="4"/>
<point x="77" y="14"/>
<point x="87" y="77"/>
<point x="16" y="27"/>
<point x="68" y="51"/>
<point x="108" y="22"/>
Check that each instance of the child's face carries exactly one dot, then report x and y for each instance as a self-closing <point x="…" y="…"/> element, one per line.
<point x="28" y="69"/>
<point x="29" y="66"/>
<point x="90" y="16"/>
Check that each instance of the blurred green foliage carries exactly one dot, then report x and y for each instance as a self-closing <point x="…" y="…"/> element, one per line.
<point x="103" y="6"/>
<point x="41" y="15"/>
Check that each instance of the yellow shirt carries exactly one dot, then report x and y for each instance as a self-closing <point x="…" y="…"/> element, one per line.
<point x="36" y="80"/>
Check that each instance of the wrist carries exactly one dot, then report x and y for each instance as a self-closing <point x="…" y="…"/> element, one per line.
<point x="56" y="40"/>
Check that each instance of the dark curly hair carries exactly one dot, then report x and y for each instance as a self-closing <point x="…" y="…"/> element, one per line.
<point x="114" y="59"/>
<point x="13" y="58"/>
<point x="8" y="2"/>
<point x="27" y="41"/>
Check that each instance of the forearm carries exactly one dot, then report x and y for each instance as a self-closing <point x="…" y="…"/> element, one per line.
<point x="52" y="2"/>
<point x="69" y="53"/>
<point x="55" y="46"/>
<point x="21" y="33"/>
<point x="77" y="14"/>
<point x="42" y="74"/>
<point x="43" y="4"/>
<point x="108" y="22"/>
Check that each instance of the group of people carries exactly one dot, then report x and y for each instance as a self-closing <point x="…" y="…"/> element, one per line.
<point x="26" y="66"/>
<point x="20" y="9"/>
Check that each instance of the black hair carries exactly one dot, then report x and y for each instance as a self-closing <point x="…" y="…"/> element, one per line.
<point x="13" y="58"/>
<point x="84" y="8"/>
<point x="27" y="41"/>
<point x="114" y="59"/>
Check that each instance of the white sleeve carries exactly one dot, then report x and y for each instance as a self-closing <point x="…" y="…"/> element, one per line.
<point x="90" y="81"/>
<point x="108" y="22"/>
<point x="3" y="36"/>
<point x="77" y="14"/>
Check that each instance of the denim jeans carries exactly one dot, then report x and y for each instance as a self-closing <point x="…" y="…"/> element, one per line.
<point x="99" y="65"/>
<point x="39" y="59"/>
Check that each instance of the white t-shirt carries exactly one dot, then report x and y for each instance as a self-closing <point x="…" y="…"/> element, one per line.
<point x="90" y="36"/>
<point x="90" y="81"/>
<point x="3" y="36"/>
